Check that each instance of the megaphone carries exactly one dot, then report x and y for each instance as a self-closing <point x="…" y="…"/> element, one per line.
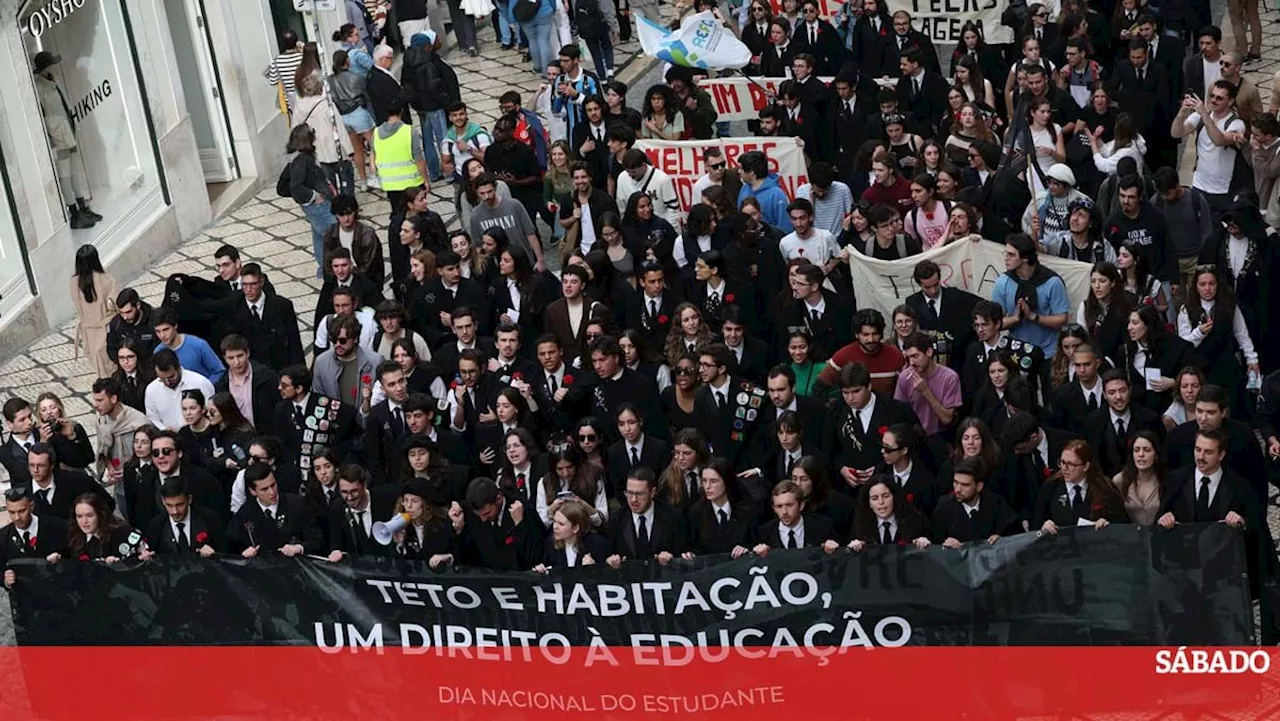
<point x="382" y="532"/>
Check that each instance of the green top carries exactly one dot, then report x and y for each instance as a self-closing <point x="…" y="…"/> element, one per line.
<point x="806" y="376"/>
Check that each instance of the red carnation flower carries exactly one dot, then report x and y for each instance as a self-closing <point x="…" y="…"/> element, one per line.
<point x="32" y="542"/>
<point x="201" y="537"/>
<point x="911" y="498"/>
<point x="84" y="557"/>
<point x="928" y="215"/>
<point x="728" y="297"/>
<point x="511" y="540"/>
<point x="517" y="376"/>
<point x="1148" y="301"/>
<point x="1048" y="472"/>
<point x="882" y="430"/>
<point x="662" y="319"/>
<point x="453" y="385"/>
<point x="365" y="379"/>
<point x="1097" y="507"/>
<point x="884" y="31"/>
<point x="520" y="482"/>
<point x="1114" y="229"/>
<point x="568" y="380"/>
<point x="115" y="462"/>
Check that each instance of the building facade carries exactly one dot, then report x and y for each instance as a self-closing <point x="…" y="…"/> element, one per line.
<point x="128" y="124"/>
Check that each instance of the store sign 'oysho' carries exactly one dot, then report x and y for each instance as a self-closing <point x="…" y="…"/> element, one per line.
<point x="50" y="14"/>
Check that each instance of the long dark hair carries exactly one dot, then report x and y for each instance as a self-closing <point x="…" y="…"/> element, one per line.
<point x="671" y="482"/>
<point x="816" y="469"/>
<point x="990" y="454"/>
<point x="87" y="263"/>
<point x="733" y="493"/>
<point x="585" y="484"/>
<point x="865" y="522"/>
<point x="1224" y="302"/>
<point x="232" y="418"/>
<point x="1117" y="304"/>
<point x="1129" y="474"/>
<point x="314" y="493"/>
<point x="77" y="543"/>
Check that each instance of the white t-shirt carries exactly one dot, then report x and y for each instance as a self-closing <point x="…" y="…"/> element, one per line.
<point x="1214" y="163"/>
<point x="819" y="248"/>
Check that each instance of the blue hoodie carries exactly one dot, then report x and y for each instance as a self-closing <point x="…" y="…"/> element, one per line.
<point x="773" y="202"/>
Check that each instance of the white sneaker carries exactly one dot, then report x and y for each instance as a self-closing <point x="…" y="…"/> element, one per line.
<point x="375" y="183"/>
<point x="362" y="184"/>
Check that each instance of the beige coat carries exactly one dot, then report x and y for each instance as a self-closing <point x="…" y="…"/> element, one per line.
<point x="91" y="334"/>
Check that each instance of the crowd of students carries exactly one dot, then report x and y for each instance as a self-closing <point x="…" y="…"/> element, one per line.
<point x="709" y="382"/>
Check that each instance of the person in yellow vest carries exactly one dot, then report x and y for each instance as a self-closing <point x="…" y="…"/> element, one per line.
<point x="402" y="164"/>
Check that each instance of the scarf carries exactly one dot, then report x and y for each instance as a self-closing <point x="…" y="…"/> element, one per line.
<point x="1027" y="288"/>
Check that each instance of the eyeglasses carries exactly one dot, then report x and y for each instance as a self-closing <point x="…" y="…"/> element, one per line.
<point x="166" y="452"/>
<point x="342" y="339"/>
<point x="716" y="166"/>
<point x="1069" y="464"/>
<point x="587" y="437"/>
<point x="636" y="494"/>
<point x="260" y="459"/>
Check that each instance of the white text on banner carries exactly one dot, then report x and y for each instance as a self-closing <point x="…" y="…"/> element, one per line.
<point x="682" y="160"/>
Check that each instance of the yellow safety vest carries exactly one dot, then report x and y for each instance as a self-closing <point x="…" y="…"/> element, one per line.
<point x="396" y="167"/>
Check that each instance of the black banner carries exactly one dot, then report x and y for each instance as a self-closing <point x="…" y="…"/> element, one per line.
<point x="1120" y="585"/>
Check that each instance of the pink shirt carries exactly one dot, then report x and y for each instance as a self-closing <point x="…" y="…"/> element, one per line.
<point x="242" y="391"/>
<point x="945" y="384"/>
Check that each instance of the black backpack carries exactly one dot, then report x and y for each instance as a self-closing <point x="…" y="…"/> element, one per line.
<point x="525" y="10"/>
<point x="285" y="181"/>
<point x="589" y="20"/>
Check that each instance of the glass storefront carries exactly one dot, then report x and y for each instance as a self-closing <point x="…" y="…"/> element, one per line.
<point x="83" y="61"/>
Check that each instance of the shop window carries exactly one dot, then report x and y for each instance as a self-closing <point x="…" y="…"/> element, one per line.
<point x="96" y="122"/>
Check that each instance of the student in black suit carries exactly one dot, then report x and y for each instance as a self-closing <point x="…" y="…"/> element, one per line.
<point x="449" y="290"/>
<point x="726" y="408"/>
<point x="615" y="384"/>
<point x="854" y="430"/>
<point x="1035" y="457"/>
<point x="304" y="419"/>
<point x="723" y="520"/>
<point x="780" y="454"/>
<point x="945" y="311"/>
<point x="823" y="314"/>
<point x="847" y="113"/>
<point x="792" y="527"/>
<point x="28" y="535"/>
<point x="571" y="542"/>
<point x="24" y="434"/>
<point x="594" y="134"/>
<point x="1170" y="50"/>
<point x="1244" y="456"/>
<point x="271" y="520"/>
<point x="885" y="517"/>
<point x="264" y="383"/>
<point x="184" y="527"/>
<point x="811" y="476"/>
<point x="1142" y="89"/>
<point x="341" y="273"/>
<point x="497" y="533"/>
<point x="634" y="448"/>
<point x="465" y="328"/>
<point x="651" y="310"/>
<point x="386" y="423"/>
<point x="1109" y="429"/>
<point x="1079" y="494"/>
<point x="904" y="37"/>
<point x="55" y="490"/>
<point x="560" y="394"/>
<point x="1076" y="400"/>
<point x="900" y="447"/>
<point x="1209" y="492"/>
<point x="268" y="321"/>
<point x="775" y="61"/>
<point x="384" y="91"/>
<point x="351" y="522"/>
<point x="873" y="51"/>
<point x="646" y="529"/>
<point x="971" y="512"/>
<point x="818" y="38"/>
<point x="520" y="468"/>
<point x="781" y="389"/>
<point x="803" y="119"/>
<point x="921" y="92"/>
<point x="430" y="535"/>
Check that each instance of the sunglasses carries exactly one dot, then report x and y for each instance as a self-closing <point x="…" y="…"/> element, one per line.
<point x="685" y="371"/>
<point x="166" y="452"/>
<point x="587" y="437"/>
<point x="343" y="339"/>
<point x="717" y="166"/>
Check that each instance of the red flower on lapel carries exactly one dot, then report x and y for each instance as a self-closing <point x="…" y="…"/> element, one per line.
<point x="568" y="380"/>
<point x="32" y="543"/>
<point x="662" y="319"/>
<point x="201" y="537"/>
<point x="911" y="498"/>
<point x="884" y="31"/>
<point x="84" y="557"/>
<point x="365" y="379"/>
<point x="728" y="297"/>
<point x="882" y="430"/>
<point x="517" y="376"/>
<point x="453" y="385"/>
<point x="511" y="540"/>
<point x="1048" y="471"/>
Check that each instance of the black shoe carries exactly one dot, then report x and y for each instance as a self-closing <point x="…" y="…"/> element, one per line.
<point x="86" y="211"/>
<point x="80" y="221"/>
<point x="1252" y="57"/>
<point x="472" y="52"/>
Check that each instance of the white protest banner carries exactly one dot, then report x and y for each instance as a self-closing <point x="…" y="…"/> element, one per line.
<point x="740" y="98"/>
<point x="682" y="160"/>
<point x="940" y="20"/>
<point x="701" y="41"/>
<point x="969" y="265"/>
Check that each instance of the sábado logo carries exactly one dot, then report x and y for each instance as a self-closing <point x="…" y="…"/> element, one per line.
<point x="1216" y="661"/>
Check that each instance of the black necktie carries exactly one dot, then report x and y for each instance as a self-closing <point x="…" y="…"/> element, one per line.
<point x="653" y="309"/>
<point x="26" y="539"/>
<point x="267" y="512"/>
<point x="26" y="447"/>
<point x="635" y="456"/>
<point x="1142" y="74"/>
<point x="44" y="496"/>
<point x="132" y="381"/>
<point x="1202" y="500"/>
<point x="691" y="482"/>
<point x="357" y="523"/>
<point x="916" y="85"/>
<point x="642" y="535"/>
<point x="298" y="417"/>
<point x="791" y="538"/>
<point x="1077" y="502"/>
<point x="1039" y="463"/>
<point x="791" y="462"/>
<point x="551" y="384"/>
<point x="183" y="544"/>
<point x="971" y="511"/>
<point x="1039" y="33"/>
<point x="1093" y="402"/>
<point x="399" y="414"/>
<point x="257" y="314"/>
<point x="720" y="401"/>
<point x="817" y="317"/>
<point x="887" y="533"/>
<point x="1120" y="431"/>
<point x="933" y="307"/>
<point x="724" y="516"/>
<point x="813" y="35"/>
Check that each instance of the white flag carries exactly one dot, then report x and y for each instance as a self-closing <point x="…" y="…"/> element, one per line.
<point x="701" y="42"/>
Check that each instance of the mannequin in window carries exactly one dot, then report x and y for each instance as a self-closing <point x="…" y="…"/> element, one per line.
<point x="60" y="125"/>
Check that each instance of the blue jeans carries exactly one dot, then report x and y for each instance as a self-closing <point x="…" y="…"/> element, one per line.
<point x="602" y="53"/>
<point x="508" y="32"/>
<point x="433" y="124"/>
<point x="540" y="51"/>
<point x="320" y="217"/>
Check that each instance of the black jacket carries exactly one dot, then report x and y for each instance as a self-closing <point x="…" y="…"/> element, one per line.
<point x="160" y="537"/>
<point x="708" y="535"/>
<point x="994" y="518"/>
<point x="428" y="80"/>
<point x="265" y="391"/>
<point x="668" y="532"/>
<point x="817" y="531"/>
<point x="275" y="340"/>
<point x="955" y="325"/>
<point x="293" y="524"/>
<point x="384" y="94"/>
<point x="67" y="487"/>
<point x="51" y="537"/>
<point x="142" y="332"/>
<point x="205" y="491"/>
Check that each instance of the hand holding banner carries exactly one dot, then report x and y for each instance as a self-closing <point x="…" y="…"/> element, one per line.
<point x="702" y="41"/>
